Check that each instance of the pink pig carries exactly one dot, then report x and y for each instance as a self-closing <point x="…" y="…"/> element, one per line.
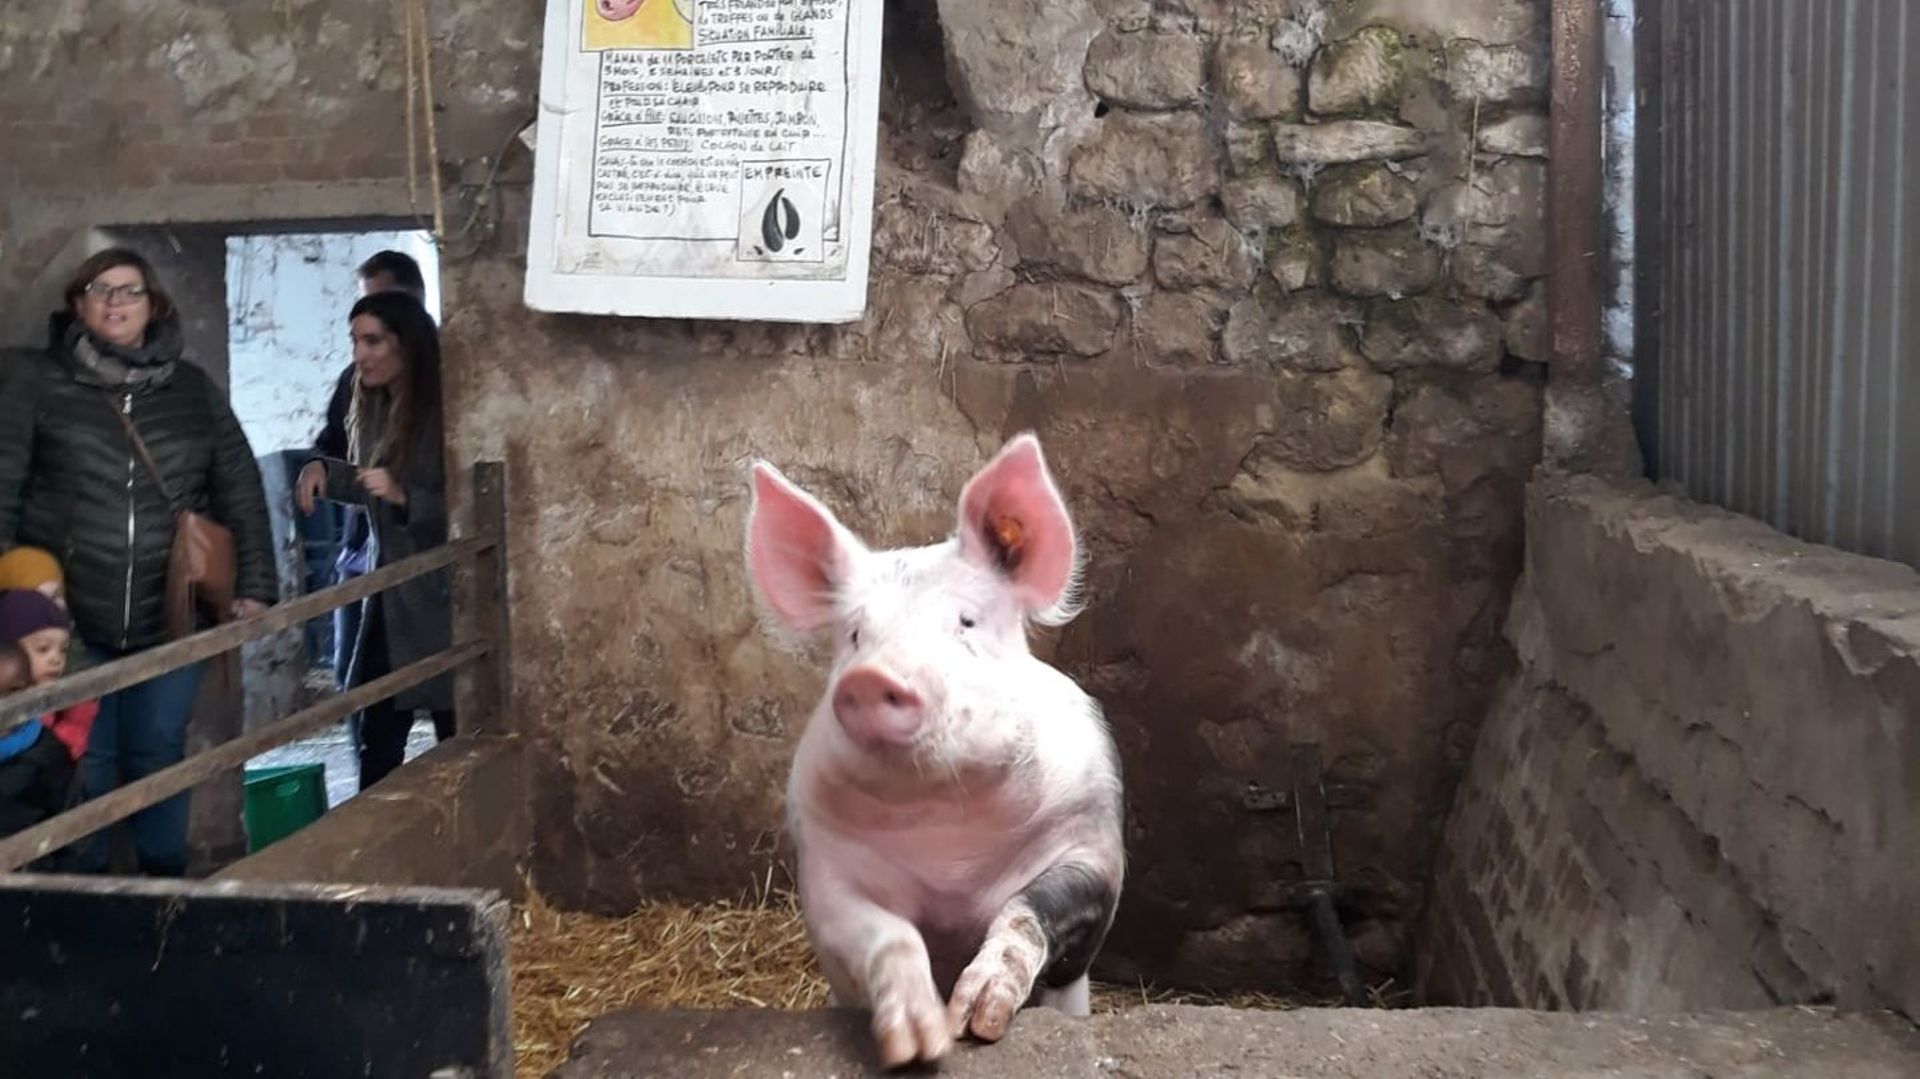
<point x="955" y="803"/>
<point x="616" y="10"/>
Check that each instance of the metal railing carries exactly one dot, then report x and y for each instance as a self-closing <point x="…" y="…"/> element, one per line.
<point x="482" y="689"/>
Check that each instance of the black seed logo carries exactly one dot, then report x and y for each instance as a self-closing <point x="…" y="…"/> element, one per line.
<point x="780" y="222"/>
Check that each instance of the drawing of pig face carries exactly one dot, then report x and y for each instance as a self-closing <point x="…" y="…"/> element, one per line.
<point x="616" y="10"/>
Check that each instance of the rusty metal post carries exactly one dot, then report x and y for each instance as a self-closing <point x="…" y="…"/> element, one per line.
<point x="1589" y="426"/>
<point x="483" y="692"/>
<point x="1573" y="191"/>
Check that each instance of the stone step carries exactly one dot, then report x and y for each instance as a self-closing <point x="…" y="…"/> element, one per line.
<point x="1189" y="1042"/>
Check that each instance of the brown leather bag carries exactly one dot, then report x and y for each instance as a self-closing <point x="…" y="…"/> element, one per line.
<point x="201" y="569"/>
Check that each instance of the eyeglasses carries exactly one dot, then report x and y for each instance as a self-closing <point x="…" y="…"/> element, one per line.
<point x="115" y="295"/>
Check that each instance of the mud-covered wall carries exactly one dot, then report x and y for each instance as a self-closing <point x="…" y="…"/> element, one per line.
<point x="1266" y="276"/>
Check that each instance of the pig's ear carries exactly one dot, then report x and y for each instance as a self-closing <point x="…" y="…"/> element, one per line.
<point x="798" y="553"/>
<point x="1013" y="520"/>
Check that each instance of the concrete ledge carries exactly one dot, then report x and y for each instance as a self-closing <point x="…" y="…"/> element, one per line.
<point x="455" y="817"/>
<point x="1184" y="1041"/>
<point x="1702" y="787"/>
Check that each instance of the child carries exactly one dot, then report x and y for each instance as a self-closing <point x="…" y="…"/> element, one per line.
<point x="37" y="760"/>
<point x="35" y="570"/>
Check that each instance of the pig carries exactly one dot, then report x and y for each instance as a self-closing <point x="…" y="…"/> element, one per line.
<point x="954" y="802"/>
<point x="618" y="10"/>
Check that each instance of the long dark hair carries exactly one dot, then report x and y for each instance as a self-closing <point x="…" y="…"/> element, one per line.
<point x="160" y="302"/>
<point x="414" y="398"/>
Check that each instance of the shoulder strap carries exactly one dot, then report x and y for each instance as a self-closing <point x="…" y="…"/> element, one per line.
<point x="140" y="446"/>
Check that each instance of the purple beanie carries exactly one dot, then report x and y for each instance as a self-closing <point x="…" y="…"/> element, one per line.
<point x="23" y="611"/>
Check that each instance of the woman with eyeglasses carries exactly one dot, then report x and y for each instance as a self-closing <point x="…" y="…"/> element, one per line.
<point x="72" y="482"/>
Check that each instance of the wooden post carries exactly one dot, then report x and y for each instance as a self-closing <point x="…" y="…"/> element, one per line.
<point x="483" y="692"/>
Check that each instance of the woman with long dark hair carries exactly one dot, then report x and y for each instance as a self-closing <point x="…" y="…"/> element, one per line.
<point x="73" y="482"/>
<point x="395" y="469"/>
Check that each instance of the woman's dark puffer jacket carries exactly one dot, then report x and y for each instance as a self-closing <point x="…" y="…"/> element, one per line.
<point x="70" y="482"/>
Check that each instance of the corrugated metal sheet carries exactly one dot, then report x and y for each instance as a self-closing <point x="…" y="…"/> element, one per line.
<point x="1778" y="289"/>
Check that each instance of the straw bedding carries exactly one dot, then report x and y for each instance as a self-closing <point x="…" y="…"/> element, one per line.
<point x="570" y="968"/>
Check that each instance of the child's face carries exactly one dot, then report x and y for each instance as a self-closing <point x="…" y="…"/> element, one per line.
<point x="46" y="651"/>
<point x="55" y="591"/>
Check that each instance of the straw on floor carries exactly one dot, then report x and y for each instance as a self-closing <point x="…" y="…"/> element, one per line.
<point x="570" y="968"/>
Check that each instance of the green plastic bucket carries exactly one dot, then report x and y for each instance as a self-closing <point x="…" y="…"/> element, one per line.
<point x="281" y="801"/>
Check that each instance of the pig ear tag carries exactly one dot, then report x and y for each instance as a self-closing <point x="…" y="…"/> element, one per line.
<point x="1009" y="539"/>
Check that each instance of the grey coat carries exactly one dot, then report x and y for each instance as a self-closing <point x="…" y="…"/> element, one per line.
<point x="417" y="615"/>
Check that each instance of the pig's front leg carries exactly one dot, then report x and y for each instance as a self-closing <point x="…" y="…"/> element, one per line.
<point x="884" y="959"/>
<point x="1049" y="933"/>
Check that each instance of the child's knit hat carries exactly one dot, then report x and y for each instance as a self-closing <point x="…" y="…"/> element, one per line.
<point x="23" y="611"/>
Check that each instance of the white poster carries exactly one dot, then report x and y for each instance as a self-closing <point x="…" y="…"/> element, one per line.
<point x="706" y="159"/>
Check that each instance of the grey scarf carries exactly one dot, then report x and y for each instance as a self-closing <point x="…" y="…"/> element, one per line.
<point x="112" y="367"/>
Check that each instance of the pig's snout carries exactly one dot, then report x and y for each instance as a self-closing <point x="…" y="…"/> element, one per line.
<point x="875" y="707"/>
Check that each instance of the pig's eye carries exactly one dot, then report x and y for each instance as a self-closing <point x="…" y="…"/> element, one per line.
<point x="854" y="638"/>
<point x="967" y="621"/>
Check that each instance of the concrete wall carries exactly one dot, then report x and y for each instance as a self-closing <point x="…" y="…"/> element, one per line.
<point x="1702" y="787"/>
<point x="1266" y="276"/>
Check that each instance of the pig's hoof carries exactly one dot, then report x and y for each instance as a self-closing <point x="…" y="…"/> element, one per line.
<point x="910" y="1027"/>
<point x="987" y="995"/>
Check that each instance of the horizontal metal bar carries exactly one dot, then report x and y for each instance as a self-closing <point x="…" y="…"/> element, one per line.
<point x="154" y="662"/>
<point x="89" y="817"/>
<point x="1258" y="799"/>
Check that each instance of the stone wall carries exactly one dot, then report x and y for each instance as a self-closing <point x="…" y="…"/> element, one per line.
<point x="1265" y="276"/>
<point x="1702" y="787"/>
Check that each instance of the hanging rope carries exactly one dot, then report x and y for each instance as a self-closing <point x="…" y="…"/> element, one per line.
<point x="419" y="97"/>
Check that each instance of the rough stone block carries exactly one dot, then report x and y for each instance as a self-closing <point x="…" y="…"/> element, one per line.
<point x="1008" y="79"/>
<point x="995" y="171"/>
<point x="1260" y="202"/>
<point x="921" y="241"/>
<point x="1126" y="15"/>
<point x="1309" y="331"/>
<point x="1046" y="319"/>
<point x="1329" y="421"/>
<point x="1344" y="142"/>
<point x="1166" y="161"/>
<point x="1464" y="433"/>
<point x="1526" y="329"/>
<point x="1487" y="273"/>
<point x="1386" y="262"/>
<point x="1097" y="242"/>
<point x="1366" y="196"/>
<point x="1294" y="260"/>
<point x="1176" y="329"/>
<point x="1147" y="70"/>
<point x="1524" y="134"/>
<point x="1362" y="74"/>
<point x="1254" y="81"/>
<point x="1213" y="255"/>
<point x="1249" y="149"/>
<point x="1432" y="332"/>
<point x="1497" y="74"/>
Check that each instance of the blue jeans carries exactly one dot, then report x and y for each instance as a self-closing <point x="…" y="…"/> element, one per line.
<point x="350" y="563"/>
<point x="140" y="730"/>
